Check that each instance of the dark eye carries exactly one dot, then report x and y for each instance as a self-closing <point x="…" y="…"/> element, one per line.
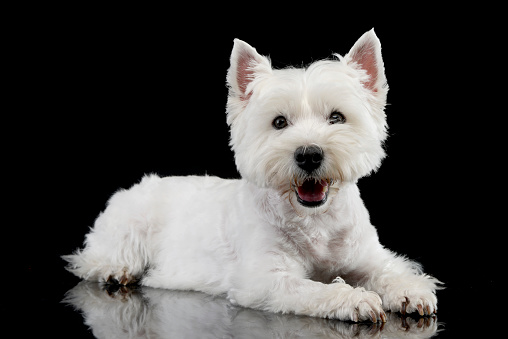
<point x="337" y="118"/>
<point x="280" y="122"/>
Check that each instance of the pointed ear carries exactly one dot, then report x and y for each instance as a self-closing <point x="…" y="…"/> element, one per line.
<point x="366" y="53"/>
<point x="245" y="64"/>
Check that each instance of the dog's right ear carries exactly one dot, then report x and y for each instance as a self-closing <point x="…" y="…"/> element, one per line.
<point x="246" y="65"/>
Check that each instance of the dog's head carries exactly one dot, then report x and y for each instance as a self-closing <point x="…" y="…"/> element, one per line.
<point x="304" y="131"/>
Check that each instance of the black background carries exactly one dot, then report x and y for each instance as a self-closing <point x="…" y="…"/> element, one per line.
<point x="97" y="97"/>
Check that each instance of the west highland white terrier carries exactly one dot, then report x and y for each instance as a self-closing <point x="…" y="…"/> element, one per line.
<point x="292" y="235"/>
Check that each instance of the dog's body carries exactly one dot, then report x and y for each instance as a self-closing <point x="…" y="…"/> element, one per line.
<point x="293" y="235"/>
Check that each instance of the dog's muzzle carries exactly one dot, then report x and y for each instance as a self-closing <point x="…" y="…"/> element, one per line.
<point x="311" y="192"/>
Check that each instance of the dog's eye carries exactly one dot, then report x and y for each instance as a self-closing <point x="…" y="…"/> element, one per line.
<point x="280" y="122"/>
<point x="337" y="118"/>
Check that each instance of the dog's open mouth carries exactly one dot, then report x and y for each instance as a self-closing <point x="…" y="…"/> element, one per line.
<point x="312" y="193"/>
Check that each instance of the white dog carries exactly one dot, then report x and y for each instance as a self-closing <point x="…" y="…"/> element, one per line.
<point x="293" y="235"/>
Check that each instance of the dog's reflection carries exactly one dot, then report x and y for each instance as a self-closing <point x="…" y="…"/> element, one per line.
<point x="114" y="311"/>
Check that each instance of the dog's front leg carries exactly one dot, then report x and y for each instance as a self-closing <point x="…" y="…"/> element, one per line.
<point x="402" y="285"/>
<point x="285" y="293"/>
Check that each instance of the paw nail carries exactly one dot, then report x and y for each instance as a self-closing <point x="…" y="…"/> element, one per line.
<point x="382" y="315"/>
<point x="373" y="316"/>
<point x="403" y="308"/>
<point x="420" y="309"/>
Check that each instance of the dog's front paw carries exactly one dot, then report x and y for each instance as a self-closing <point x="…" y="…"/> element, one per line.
<point x="364" y="306"/>
<point x="423" y="302"/>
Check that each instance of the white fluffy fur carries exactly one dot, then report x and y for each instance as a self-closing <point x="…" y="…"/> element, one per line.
<point x="250" y="239"/>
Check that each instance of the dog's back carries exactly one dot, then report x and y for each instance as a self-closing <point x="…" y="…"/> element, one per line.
<point x="146" y="230"/>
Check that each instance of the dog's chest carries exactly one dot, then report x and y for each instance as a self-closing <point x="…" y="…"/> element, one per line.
<point x="320" y="250"/>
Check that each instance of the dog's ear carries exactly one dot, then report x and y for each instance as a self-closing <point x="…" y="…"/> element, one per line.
<point x="246" y="64"/>
<point x="366" y="53"/>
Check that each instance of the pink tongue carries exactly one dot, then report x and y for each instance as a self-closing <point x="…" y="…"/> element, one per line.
<point x="312" y="191"/>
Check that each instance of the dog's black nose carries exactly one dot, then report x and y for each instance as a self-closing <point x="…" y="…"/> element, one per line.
<point x="308" y="158"/>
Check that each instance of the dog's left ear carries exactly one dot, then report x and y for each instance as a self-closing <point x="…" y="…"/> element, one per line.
<point x="246" y="65"/>
<point x="366" y="53"/>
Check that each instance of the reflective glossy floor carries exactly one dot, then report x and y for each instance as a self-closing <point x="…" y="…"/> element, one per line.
<point x="122" y="312"/>
<point x="58" y="304"/>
